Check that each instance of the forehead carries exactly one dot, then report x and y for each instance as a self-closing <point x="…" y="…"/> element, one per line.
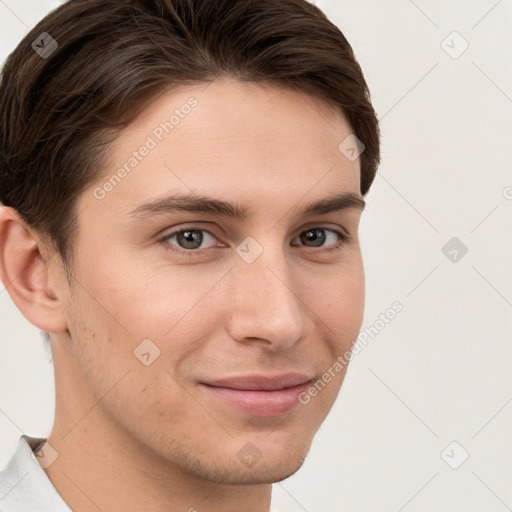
<point x="227" y="138"/>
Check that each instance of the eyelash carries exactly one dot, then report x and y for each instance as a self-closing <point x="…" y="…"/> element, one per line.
<point x="344" y="239"/>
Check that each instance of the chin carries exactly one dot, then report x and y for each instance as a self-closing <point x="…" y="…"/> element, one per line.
<point x="261" y="473"/>
<point x="274" y="465"/>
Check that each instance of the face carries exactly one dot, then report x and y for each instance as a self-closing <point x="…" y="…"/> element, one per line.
<point x="209" y="296"/>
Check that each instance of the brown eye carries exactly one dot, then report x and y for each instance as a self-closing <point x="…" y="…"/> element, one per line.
<point x="313" y="237"/>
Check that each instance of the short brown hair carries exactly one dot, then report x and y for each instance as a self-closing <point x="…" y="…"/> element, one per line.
<point x="58" y="114"/>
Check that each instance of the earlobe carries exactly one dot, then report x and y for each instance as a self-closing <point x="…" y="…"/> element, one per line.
<point x="24" y="273"/>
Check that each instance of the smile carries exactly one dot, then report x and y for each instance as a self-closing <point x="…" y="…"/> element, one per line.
<point x="259" y="395"/>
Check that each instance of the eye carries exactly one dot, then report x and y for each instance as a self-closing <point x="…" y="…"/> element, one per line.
<point x="189" y="240"/>
<point x="316" y="237"/>
<point x="193" y="241"/>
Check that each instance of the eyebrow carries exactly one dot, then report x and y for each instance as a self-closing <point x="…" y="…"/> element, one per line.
<point x="204" y="204"/>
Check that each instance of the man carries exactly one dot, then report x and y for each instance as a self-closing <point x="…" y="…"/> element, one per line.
<point x="182" y="183"/>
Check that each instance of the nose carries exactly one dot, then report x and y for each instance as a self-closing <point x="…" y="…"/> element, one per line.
<point x="265" y="303"/>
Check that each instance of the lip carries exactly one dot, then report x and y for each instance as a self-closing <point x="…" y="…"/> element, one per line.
<point x="259" y="395"/>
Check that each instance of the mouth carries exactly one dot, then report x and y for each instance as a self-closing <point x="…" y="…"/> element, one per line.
<point x="259" y="395"/>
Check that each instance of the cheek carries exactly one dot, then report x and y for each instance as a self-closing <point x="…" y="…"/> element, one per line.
<point x="147" y="297"/>
<point x="339" y="303"/>
<point x="127" y="305"/>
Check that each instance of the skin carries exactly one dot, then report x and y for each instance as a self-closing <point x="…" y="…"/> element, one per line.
<point x="131" y="436"/>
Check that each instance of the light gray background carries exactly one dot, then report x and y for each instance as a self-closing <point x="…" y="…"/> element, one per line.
<point x="440" y="371"/>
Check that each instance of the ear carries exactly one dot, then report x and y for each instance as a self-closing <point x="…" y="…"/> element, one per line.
<point x="25" y="274"/>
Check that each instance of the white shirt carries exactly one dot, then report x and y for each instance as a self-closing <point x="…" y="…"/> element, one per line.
<point x="24" y="485"/>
